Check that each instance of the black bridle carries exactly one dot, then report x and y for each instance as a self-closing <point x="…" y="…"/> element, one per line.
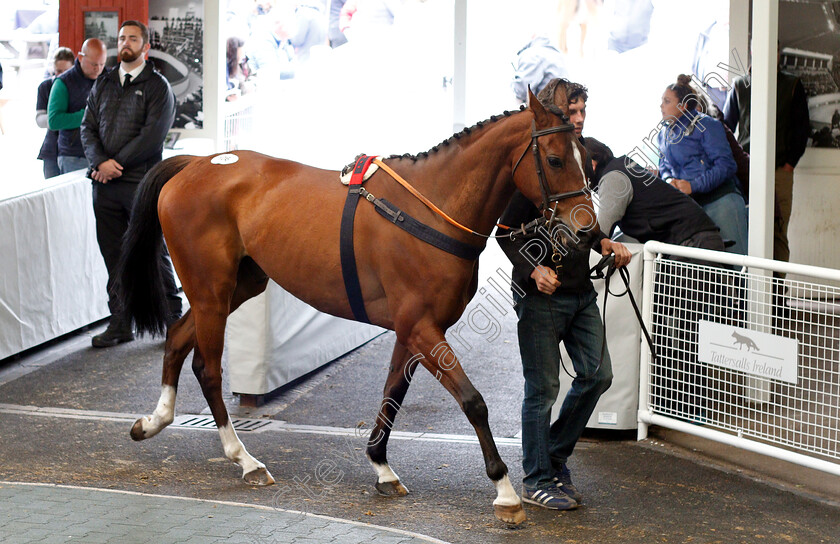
<point x="548" y="197"/>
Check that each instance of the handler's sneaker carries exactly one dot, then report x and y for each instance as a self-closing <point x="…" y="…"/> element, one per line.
<point x="563" y="480"/>
<point x="551" y="497"/>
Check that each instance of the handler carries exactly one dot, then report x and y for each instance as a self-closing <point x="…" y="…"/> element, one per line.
<point x="559" y="305"/>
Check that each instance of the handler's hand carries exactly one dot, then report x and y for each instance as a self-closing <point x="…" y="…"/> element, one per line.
<point x="96" y="175"/>
<point x="107" y="171"/>
<point x="546" y="279"/>
<point x="622" y="254"/>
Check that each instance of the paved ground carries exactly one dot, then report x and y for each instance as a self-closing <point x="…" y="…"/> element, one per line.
<point x="53" y="514"/>
<point x="65" y="413"/>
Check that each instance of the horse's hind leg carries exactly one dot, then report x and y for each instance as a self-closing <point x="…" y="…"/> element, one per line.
<point x="440" y="360"/>
<point x="399" y="378"/>
<point x="207" y="366"/>
<point x="211" y="302"/>
<point x="180" y="340"/>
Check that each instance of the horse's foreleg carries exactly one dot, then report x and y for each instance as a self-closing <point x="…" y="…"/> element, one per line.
<point x="399" y="378"/>
<point x="440" y="360"/>
<point x="180" y="340"/>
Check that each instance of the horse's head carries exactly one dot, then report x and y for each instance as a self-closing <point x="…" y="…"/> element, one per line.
<point x="554" y="178"/>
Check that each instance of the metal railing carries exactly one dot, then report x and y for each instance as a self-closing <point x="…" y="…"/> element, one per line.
<point x="743" y="355"/>
<point x="239" y="122"/>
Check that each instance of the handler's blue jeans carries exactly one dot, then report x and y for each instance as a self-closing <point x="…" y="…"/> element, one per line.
<point x="543" y="322"/>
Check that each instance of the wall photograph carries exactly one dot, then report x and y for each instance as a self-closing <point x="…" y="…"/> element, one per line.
<point x="177" y="37"/>
<point x="809" y="42"/>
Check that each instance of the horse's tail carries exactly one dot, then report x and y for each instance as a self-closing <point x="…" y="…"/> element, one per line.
<point x="139" y="287"/>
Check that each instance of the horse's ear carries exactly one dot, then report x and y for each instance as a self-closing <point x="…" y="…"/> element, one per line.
<point x="536" y="106"/>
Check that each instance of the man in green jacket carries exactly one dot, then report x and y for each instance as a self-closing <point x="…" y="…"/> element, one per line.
<point x="66" y="105"/>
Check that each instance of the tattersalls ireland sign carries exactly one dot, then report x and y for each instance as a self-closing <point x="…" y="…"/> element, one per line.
<point x="757" y="353"/>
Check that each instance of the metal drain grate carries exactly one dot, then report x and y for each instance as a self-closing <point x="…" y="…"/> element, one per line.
<point x="206" y="422"/>
<point x="245" y="425"/>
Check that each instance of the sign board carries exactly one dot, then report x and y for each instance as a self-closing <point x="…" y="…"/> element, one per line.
<point x="756" y="353"/>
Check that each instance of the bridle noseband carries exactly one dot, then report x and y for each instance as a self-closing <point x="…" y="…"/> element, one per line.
<point x="548" y="198"/>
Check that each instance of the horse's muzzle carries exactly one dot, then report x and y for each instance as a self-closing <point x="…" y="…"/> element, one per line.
<point x="584" y="239"/>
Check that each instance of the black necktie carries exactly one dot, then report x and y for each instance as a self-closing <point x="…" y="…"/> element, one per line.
<point x="127" y="80"/>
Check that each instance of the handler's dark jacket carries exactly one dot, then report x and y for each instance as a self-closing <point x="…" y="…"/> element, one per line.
<point x="574" y="275"/>
<point x="128" y="124"/>
<point x="657" y="211"/>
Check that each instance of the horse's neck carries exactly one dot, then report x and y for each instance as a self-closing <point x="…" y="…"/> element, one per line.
<point x="472" y="180"/>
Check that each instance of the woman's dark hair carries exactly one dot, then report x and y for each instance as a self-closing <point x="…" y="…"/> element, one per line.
<point x="702" y="104"/>
<point x="233" y="44"/>
<point x="600" y="153"/>
<point x="685" y="93"/>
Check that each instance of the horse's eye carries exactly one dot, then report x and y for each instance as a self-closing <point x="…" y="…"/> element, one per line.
<point x="555" y="162"/>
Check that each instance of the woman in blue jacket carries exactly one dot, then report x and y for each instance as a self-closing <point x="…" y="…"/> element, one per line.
<point x="696" y="159"/>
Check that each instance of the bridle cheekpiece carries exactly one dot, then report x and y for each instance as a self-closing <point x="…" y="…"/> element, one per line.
<point x="547" y="196"/>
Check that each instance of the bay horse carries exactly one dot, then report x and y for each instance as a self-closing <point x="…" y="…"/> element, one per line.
<point x="234" y="220"/>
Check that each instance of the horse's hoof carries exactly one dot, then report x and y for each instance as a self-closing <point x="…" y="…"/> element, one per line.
<point x="510" y="514"/>
<point x="260" y="476"/>
<point x="392" y="489"/>
<point x="137" y="432"/>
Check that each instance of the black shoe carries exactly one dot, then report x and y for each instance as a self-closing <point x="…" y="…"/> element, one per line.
<point x="112" y="336"/>
<point x="175" y="310"/>
<point x="172" y="318"/>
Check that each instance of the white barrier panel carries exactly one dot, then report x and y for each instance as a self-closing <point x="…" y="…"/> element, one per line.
<point x="274" y="338"/>
<point x="742" y="356"/>
<point x="618" y="406"/>
<point x="52" y="276"/>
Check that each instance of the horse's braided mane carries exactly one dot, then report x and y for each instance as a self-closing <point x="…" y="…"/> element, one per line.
<point x="468" y="130"/>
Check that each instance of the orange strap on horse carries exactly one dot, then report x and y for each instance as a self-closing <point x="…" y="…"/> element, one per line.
<point x="422" y="198"/>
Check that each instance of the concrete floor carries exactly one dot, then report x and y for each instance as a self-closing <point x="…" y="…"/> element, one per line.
<point x="65" y="412"/>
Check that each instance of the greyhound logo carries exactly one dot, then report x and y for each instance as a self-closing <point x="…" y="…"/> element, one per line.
<point x="741" y="340"/>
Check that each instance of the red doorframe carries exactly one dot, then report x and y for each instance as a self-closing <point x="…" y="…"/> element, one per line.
<point x="71" y="17"/>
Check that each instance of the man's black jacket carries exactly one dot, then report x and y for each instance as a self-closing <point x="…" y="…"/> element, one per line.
<point x="574" y="274"/>
<point x="128" y="124"/>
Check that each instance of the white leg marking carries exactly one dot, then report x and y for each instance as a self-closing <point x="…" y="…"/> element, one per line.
<point x="235" y="450"/>
<point x="163" y="415"/>
<point x="505" y="495"/>
<point x="384" y="473"/>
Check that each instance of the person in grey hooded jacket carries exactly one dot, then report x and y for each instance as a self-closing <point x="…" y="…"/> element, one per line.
<point x="536" y="64"/>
